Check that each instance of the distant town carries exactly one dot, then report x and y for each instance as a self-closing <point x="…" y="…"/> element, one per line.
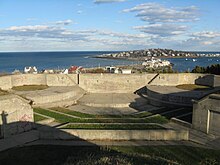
<point x="161" y="53"/>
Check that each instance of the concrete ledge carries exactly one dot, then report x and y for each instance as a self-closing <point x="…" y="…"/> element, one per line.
<point x="181" y="122"/>
<point x="171" y="95"/>
<point x="53" y="95"/>
<point x="114" y="135"/>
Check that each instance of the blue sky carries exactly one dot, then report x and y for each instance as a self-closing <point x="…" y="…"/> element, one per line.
<point x="56" y="25"/>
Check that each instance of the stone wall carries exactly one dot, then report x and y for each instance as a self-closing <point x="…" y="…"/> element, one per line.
<point x="16" y="115"/>
<point x="206" y="115"/>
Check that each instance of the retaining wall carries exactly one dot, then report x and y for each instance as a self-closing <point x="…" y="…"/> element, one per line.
<point x="71" y="134"/>
<point x="16" y="115"/>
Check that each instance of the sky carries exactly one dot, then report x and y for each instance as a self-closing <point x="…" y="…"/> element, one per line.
<point x="109" y="25"/>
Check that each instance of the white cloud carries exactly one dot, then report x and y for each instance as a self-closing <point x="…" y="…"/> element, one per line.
<point x="107" y="1"/>
<point x="206" y="34"/>
<point x="38" y="34"/>
<point x="54" y="37"/>
<point x="162" y="30"/>
<point x="65" y="22"/>
<point x="157" y="13"/>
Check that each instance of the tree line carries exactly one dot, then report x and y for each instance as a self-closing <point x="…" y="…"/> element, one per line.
<point x="213" y="69"/>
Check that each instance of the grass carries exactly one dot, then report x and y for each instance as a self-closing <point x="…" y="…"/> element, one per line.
<point x="38" y="118"/>
<point x="113" y="126"/>
<point x="63" y="118"/>
<point x="95" y="155"/>
<point x="86" y="115"/>
<point x="193" y="87"/>
<point x="2" y="92"/>
<point x="30" y="87"/>
<point x="143" y="114"/>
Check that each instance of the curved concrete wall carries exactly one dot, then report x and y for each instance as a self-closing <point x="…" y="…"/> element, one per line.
<point x="103" y="83"/>
<point x="100" y="83"/>
<point x="7" y="82"/>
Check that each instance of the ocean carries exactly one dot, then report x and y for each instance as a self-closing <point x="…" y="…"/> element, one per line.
<point x="60" y="60"/>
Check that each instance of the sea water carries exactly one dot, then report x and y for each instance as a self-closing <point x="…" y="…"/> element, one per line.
<point x="60" y="60"/>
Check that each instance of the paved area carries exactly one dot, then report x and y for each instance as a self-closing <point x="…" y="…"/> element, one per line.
<point x="119" y="100"/>
<point x="47" y="92"/>
<point x="112" y="104"/>
<point x="53" y="96"/>
<point x="179" y="92"/>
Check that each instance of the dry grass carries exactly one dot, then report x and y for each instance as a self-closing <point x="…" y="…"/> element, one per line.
<point x="193" y="87"/>
<point x="2" y="92"/>
<point x="30" y="87"/>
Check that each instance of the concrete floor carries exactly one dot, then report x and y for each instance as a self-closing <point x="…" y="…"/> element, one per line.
<point x="112" y="104"/>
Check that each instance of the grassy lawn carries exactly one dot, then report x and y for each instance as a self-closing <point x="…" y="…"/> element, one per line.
<point x="63" y="118"/>
<point x="193" y="87"/>
<point x="94" y="155"/>
<point x="2" y="92"/>
<point x="86" y="115"/>
<point x="38" y="118"/>
<point x="30" y="87"/>
<point x="113" y="126"/>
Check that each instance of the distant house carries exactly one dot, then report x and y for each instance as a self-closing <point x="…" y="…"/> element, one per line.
<point x="30" y="69"/>
<point x="16" y="72"/>
<point x="75" y="69"/>
<point x="126" y="71"/>
<point x="110" y="69"/>
<point x="48" y="71"/>
<point x="118" y="71"/>
<point x="65" y="71"/>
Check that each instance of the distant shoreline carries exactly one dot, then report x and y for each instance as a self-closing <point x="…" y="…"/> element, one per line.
<point x="142" y="59"/>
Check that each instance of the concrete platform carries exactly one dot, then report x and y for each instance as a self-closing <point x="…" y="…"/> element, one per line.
<point x="173" y="96"/>
<point x="53" y="96"/>
<point x="102" y="110"/>
<point x="112" y="100"/>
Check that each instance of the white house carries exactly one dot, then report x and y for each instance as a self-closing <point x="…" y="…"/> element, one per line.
<point x="126" y="71"/>
<point x="30" y="69"/>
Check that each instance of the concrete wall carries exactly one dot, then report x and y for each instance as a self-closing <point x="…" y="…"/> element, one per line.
<point x="209" y="80"/>
<point x="70" y="134"/>
<point x="100" y="83"/>
<point x="61" y="79"/>
<point x="7" y="82"/>
<point x="28" y="79"/>
<point x="203" y="112"/>
<point x="18" y="115"/>
<point x="176" y="79"/>
<point x="113" y="83"/>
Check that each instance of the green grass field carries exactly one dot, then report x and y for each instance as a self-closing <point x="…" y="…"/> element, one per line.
<point x="61" y="118"/>
<point x="85" y="115"/>
<point x="38" y="118"/>
<point x="113" y="126"/>
<point x="94" y="155"/>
